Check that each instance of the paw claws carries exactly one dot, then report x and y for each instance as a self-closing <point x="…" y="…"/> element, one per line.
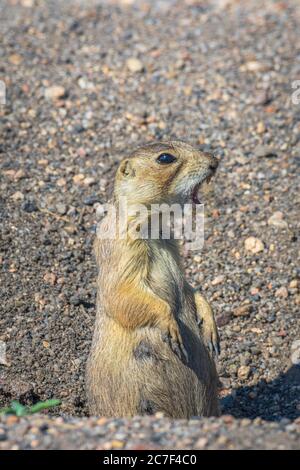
<point x="217" y="349"/>
<point x="179" y="349"/>
<point x="214" y="347"/>
<point x="185" y="354"/>
<point x="211" y="339"/>
<point x="176" y="344"/>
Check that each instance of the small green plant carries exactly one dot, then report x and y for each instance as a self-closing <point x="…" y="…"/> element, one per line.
<point x="17" y="409"/>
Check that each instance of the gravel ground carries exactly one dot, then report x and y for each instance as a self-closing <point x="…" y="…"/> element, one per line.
<point x="147" y="433"/>
<point x="85" y="83"/>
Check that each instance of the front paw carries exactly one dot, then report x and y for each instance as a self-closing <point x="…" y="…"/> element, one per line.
<point x="172" y="334"/>
<point x="209" y="332"/>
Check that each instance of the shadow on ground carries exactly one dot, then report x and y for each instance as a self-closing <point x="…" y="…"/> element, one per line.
<point x="273" y="401"/>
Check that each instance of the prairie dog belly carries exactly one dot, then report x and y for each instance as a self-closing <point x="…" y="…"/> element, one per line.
<point x="138" y="372"/>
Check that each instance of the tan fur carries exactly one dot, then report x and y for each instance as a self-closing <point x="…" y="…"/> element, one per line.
<point x="143" y="299"/>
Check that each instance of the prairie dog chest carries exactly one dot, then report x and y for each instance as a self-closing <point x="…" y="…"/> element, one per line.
<point x="166" y="275"/>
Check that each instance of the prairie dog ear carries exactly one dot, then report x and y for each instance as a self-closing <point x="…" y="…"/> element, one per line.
<point x="126" y="168"/>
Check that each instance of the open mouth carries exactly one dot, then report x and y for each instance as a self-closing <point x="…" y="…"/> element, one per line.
<point x="196" y="189"/>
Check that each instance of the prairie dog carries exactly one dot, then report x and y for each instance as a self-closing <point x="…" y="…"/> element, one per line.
<point x="153" y="332"/>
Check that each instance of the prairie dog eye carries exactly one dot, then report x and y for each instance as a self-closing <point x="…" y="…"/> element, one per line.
<point x="165" y="158"/>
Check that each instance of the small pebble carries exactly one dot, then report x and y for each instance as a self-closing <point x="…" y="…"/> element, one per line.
<point x="254" y="245"/>
<point x="54" y="92"/>
<point x="134" y="65"/>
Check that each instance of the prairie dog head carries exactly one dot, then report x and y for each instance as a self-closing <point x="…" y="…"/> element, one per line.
<point x="164" y="172"/>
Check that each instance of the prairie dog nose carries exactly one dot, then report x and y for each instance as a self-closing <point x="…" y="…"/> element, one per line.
<point x="212" y="161"/>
